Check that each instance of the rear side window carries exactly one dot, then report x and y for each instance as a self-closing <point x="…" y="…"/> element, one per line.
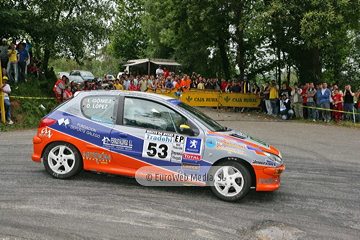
<point x="99" y="108"/>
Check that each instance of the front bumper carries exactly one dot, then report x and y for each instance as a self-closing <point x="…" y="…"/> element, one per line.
<point x="268" y="179"/>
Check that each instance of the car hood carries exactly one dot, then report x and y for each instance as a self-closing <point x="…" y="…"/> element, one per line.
<point x="250" y="142"/>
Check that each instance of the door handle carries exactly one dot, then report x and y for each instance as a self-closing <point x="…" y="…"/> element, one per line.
<point x="123" y="135"/>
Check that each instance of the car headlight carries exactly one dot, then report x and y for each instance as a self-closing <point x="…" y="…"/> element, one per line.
<point x="274" y="157"/>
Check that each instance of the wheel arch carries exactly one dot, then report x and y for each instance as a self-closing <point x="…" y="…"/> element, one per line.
<point x="242" y="162"/>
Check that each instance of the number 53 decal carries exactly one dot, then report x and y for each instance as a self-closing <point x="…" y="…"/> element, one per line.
<point x="157" y="150"/>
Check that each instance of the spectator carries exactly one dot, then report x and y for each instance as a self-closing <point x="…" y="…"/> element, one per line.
<point x="262" y="99"/>
<point x="223" y="84"/>
<point x="99" y="85"/>
<point x="303" y="92"/>
<point x="285" y="108"/>
<point x="348" y="102"/>
<point x="255" y="89"/>
<point x="235" y="88"/>
<point x="59" y="88"/>
<point x="216" y="84"/>
<point x="67" y="93"/>
<point x="324" y="98"/>
<point x="310" y="93"/>
<point x="87" y="86"/>
<point x="358" y="104"/>
<point x="153" y="85"/>
<point x="166" y="73"/>
<point x="24" y="56"/>
<point x="285" y="90"/>
<point x="143" y="84"/>
<point x="201" y="85"/>
<point x="159" y="71"/>
<point x="133" y="87"/>
<point x="117" y="85"/>
<point x="169" y="85"/>
<point x="266" y="98"/>
<point x="274" y="97"/>
<point x="337" y="102"/>
<point x="4" y="53"/>
<point x="12" y="65"/>
<point x="194" y="82"/>
<point x="126" y="83"/>
<point x="246" y="86"/>
<point x="208" y="84"/>
<point x="5" y="88"/>
<point x="186" y="82"/>
<point x="125" y="74"/>
<point x="77" y="88"/>
<point x="297" y="101"/>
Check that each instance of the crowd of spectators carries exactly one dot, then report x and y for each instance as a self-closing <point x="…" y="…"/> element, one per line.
<point x="309" y="101"/>
<point x="17" y="61"/>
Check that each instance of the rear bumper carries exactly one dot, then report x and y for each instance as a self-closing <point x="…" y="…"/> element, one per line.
<point x="268" y="179"/>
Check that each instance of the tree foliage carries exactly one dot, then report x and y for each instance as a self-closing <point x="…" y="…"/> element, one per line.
<point x="66" y="28"/>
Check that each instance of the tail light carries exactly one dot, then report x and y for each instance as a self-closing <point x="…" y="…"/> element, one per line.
<point x="46" y="122"/>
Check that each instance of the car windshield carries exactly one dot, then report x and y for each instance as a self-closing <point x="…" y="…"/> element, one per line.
<point x="87" y="74"/>
<point x="207" y="121"/>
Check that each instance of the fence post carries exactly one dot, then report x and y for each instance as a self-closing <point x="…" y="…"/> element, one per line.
<point x="2" y="104"/>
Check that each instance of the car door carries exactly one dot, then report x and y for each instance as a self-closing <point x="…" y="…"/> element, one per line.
<point x="149" y="135"/>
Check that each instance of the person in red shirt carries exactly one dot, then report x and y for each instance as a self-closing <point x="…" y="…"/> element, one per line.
<point x="303" y="93"/>
<point x="59" y="88"/>
<point x="166" y="73"/>
<point x="337" y="102"/>
<point x="133" y="87"/>
<point x="223" y="85"/>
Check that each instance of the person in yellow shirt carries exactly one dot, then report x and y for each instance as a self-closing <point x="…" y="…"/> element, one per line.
<point x="274" y="97"/>
<point x="201" y="85"/>
<point x="118" y="85"/>
<point x="12" y="65"/>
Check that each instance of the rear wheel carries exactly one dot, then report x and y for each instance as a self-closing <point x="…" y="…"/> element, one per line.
<point x="62" y="160"/>
<point x="231" y="181"/>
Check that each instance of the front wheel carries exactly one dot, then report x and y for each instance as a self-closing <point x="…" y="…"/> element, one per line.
<point x="231" y="181"/>
<point x="62" y="160"/>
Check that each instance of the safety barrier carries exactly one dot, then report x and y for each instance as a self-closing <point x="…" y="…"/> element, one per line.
<point x="213" y="98"/>
<point x="324" y="109"/>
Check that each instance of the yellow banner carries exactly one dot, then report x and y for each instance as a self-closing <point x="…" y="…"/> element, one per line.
<point x="201" y="99"/>
<point x="213" y="98"/>
<point x="239" y="100"/>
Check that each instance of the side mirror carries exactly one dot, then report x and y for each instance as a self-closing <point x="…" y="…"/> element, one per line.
<point x="185" y="129"/>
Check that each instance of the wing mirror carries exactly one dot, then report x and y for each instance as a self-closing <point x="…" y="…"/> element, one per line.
<point x="185" y="129"/>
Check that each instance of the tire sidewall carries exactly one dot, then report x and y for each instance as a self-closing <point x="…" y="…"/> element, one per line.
<point x="246" y="176"/>
<point x="77" y="165"/>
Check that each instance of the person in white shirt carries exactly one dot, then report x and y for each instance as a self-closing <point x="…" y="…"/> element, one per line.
<point x="159" y="71"/>
<point x="5" y="88"/>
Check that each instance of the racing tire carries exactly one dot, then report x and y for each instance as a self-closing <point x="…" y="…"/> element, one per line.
<point x="62" y="160"/>
<point x="230" y="181"/>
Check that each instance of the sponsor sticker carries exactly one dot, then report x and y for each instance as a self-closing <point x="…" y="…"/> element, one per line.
<point x="265" y="163"/>
<point x="45" y="132"/>
<point x="193" y="145"/>
<point x="270" y="180"/>
<point x="191" y="156"/>
<point x="99" y="158"/>
<point x="117" y="143"/>
<point x="190" y="166"/>
<point x="210" y="142"/>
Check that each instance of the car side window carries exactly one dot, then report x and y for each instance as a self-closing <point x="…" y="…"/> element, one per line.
<point x="151" y="115"/>
<point x="99" y="108"/>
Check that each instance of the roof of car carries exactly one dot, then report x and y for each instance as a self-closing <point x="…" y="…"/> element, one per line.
<point x="126" y="93"/>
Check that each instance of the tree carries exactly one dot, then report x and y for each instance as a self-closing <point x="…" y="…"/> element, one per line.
<point x="128" y="40"/>
<point x="11" y="19"/>
<point x="66" y="28"/>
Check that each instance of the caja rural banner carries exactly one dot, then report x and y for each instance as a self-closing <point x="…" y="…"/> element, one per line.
<point x="216" y="98"/>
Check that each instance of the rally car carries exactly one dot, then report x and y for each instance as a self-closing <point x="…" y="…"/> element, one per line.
<point x="122" y="132"/>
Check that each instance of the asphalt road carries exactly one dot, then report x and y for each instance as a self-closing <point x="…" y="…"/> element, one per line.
<point x="319" y="197"/>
